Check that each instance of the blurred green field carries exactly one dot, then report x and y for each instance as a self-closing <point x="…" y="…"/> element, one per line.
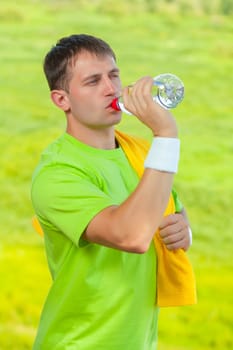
<point x="148" y="40"/>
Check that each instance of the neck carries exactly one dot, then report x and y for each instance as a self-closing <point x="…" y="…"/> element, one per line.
<point x="98" y="138"/>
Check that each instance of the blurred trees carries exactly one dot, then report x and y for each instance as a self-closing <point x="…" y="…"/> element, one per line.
<point x="222" y="7"/>
<point x="198" y="7"/>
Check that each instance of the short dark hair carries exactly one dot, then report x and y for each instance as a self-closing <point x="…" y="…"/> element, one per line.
<point x="59" y="59"/>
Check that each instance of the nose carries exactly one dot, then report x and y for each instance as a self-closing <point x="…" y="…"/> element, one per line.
<point x="109" y="87"/>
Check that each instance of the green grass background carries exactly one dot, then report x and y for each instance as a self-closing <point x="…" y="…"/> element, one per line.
<point x="149" y="37"/>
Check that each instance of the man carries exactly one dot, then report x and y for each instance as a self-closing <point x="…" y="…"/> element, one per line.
<point x="98" y="217"/>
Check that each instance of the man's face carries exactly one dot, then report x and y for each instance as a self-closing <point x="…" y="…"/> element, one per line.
<point x="94" y="84"/>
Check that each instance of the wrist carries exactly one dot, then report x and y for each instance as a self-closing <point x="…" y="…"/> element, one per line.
<point x="164" y="154"/>
<point x="168" y="133"/>
<point x="171" y="132"/>
<point x="167" y="127"/>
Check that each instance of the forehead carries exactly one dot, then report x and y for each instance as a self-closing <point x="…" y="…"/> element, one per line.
<point x="86" y="63"/>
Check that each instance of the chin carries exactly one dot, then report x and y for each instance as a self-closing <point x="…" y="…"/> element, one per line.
<point x="117" y="118"/>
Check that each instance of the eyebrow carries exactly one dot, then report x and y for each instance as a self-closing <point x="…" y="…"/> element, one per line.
<point x="94" y="76"/>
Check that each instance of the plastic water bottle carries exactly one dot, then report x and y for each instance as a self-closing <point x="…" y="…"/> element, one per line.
<point x="167" y="91"/>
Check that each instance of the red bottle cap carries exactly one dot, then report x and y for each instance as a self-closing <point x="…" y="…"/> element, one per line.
<point x="115" y="104"/>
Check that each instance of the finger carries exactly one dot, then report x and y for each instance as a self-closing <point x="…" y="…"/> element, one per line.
<point x="170" y="220"/>
<point x="173" y="238"/>
<point x="173" y="229"/>
<point x="180" y="240"/>
<point x="126" y="94"/>
<point x="183" y="244"/>
<point x="176" y="245"/>
<point x="141" y="92"/>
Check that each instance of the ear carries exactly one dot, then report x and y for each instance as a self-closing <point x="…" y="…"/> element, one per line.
<point x="60" y="99"/>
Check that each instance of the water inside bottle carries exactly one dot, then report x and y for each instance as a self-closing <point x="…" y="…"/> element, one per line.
<point x="169" y="90"/>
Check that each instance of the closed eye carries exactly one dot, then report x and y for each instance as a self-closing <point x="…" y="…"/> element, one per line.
<point x="114" y="74"/>
<point x="93" y="81"/>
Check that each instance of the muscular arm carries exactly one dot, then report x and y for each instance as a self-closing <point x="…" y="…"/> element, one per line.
<point x="131" y="225"/>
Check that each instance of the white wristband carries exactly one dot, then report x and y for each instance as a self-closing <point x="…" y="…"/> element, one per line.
<point x="164" y="154"/>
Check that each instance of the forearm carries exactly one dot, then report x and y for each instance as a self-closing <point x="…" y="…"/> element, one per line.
<point x="134" y="223"/>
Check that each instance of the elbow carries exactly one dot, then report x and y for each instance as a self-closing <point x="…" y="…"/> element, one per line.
<point x="134" y="245"/>
<point x="133" y="236"/>
<point x="139" y="249"/>
<point x="140" y="239"/>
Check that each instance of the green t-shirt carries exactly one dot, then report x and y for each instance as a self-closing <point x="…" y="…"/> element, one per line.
<point x="100" y="298"/>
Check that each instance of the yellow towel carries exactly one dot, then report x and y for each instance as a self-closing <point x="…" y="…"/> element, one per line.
<point x="175" y="277"/>
<point x="37" y="227"/>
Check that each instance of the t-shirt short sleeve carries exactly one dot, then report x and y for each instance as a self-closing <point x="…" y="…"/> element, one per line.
<point x="66" y="200"/>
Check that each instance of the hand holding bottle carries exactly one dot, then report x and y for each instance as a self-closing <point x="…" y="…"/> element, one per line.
<point x="140" y="102"/>
<point x="167" y="90"/>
